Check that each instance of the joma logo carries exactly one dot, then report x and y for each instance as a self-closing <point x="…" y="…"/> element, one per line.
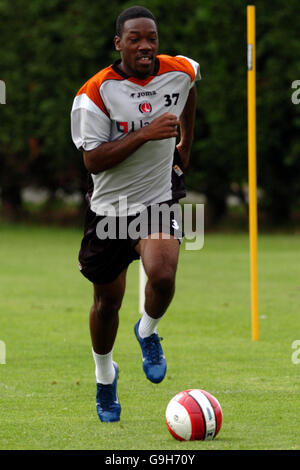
<point x="142" y="94"/>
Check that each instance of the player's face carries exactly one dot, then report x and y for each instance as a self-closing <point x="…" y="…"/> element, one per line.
<point x="138" y="47"/>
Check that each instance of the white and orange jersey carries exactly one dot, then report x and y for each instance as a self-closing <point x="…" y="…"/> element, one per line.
<point x="110" y="105"/>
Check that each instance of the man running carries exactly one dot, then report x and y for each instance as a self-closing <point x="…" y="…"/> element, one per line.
<point x="126" y="120"/>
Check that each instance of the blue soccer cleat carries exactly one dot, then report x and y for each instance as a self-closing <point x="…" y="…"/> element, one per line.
<point x="154" y="361"/>
<point x="107" y="402"/>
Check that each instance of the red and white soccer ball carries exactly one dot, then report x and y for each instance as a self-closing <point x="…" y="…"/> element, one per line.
<point x="194" y="415"/>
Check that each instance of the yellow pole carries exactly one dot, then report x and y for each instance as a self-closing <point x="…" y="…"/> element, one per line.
<point x="252" y="168"/>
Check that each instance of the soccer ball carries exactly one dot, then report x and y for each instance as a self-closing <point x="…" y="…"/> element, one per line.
<point x="194" y="415"/>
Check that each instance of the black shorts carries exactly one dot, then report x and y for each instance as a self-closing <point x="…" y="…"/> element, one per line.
<point x="105" y="254"/>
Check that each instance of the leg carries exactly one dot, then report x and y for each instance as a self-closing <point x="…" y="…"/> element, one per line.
<point x="104" y="321"/>
<point x="160" y="257"/>
<point x="104" y="314"/>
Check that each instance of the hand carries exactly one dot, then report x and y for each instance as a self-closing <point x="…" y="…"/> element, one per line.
<point x="162" y="127"/>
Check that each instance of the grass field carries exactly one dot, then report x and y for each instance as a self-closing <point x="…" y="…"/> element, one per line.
<point x="47" y="390"/>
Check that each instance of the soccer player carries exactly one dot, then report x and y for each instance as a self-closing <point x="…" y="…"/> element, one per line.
<point x="126" y="120"/>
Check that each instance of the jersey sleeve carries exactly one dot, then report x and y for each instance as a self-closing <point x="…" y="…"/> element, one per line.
<point x="90" y="121"/>
<point x="196" y="68"/>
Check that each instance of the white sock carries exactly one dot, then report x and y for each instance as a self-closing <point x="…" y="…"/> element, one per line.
<point x="147" y="325"/>
<point x="105" y="371"/>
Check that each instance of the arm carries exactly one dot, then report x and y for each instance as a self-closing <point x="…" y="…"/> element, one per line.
<point x="109" y="154"/>
<point x="187" y="123"/>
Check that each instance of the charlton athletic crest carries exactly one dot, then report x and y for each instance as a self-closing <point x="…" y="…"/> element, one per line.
<point x="145" y="107"/>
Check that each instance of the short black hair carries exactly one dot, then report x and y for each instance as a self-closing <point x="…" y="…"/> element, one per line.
<point x="131" y="13"/>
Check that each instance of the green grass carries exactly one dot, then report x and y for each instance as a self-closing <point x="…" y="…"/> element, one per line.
<point x="47" y="390"/>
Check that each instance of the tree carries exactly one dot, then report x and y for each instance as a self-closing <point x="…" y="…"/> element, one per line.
<point x="49" y="49"/>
